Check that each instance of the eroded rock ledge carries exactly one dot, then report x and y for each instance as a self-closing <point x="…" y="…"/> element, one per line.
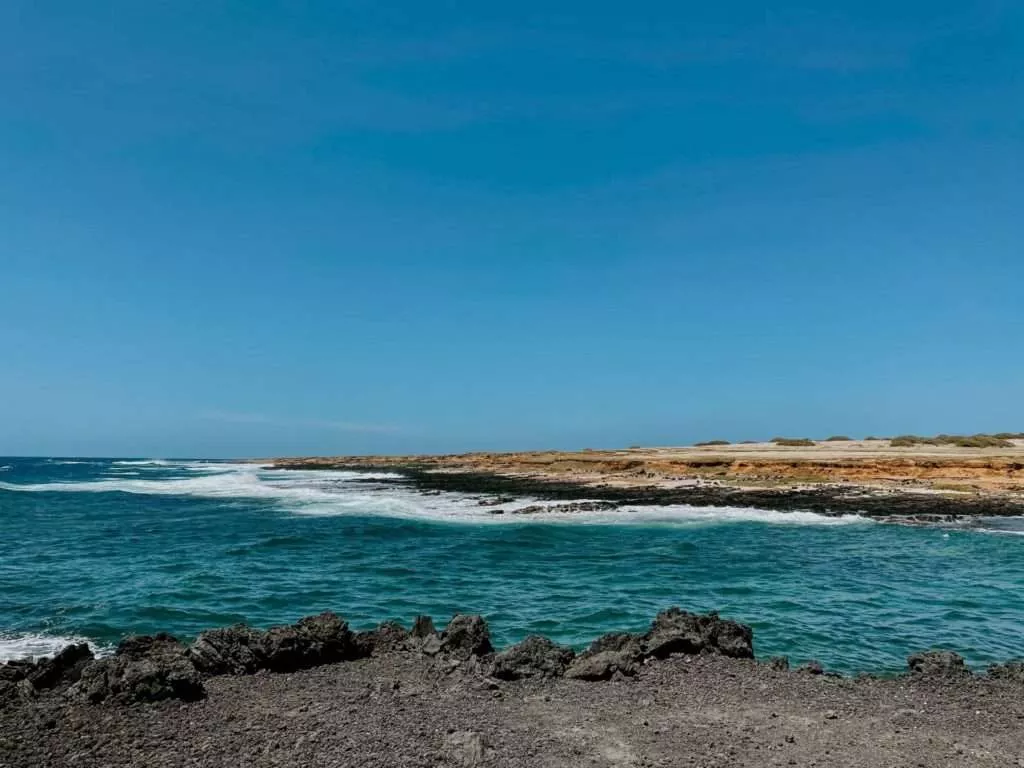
<point x="154" y="668"/>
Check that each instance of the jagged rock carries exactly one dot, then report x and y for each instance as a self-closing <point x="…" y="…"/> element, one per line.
<point x="1011" y="670"/>
<point x="389" y="637"/>
<point x="422" y="628"/>
<point x="466" y="636"/>
<point x="240" y="650"/>
<point x="15" y="691"/>
<point x="779" y="663"/>
<point x="64" y="669"/>
<point x="677" y="631"/>
<point x="235" y="650"/>
<point x="13" y="671"/>
<point x="534" y="657"/>
<point x="610" y="654"/>
<point x="938" y="664"/>
<point x="143" y="669"/>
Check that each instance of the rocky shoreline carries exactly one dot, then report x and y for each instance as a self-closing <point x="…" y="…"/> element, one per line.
<point x="887" y="505"/>
<point x="159" y="702"/>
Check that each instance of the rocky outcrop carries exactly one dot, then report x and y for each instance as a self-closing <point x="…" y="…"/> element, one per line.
<point x="239" y="650"/>
<point x="937" y="664"/>
<point x="535" y="656"/>
<point x="228" y="651"/>
<point x="465" y="636"/>
<point x="388" y="637"/>
<point x="608" y="655"/>
<point x="144" y="668"/>
<point x="1011" y="670"/>
<point x="678" y="631"/>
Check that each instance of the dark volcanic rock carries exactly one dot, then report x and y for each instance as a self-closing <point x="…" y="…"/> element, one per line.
<point x="422" y="628"/>
<point x="938" y="664"/>
<point x="616" y="652"/>
<point x="389" y="637"/>
<point x="63" y="669"/>
<point x="1011" y="670"/>
<point x="466" y="636"/>
<point x="534" y="657"/>
<point x="241" y="650"/>
<point x="143" y="669"/>
<point x="779" y="663"/>
<point x="233" y="650"/>
<point x="677" y="631"/>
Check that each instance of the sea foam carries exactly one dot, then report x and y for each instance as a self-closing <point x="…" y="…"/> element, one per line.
<point x="34" y="645"/>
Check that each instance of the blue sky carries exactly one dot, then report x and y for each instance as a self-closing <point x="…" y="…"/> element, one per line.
<point x="253" y="228"/>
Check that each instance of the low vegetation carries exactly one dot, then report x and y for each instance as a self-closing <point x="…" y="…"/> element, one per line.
<point x="837" y="439"/>
<point x="712" y="442"/>
<point x="794" y="442"/>
<point x="960" y="441"/>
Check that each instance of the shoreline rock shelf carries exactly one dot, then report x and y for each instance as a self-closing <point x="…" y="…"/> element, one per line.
<point x="155" y="668"/>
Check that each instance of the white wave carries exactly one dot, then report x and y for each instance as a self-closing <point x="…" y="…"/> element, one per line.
<point x="326" y="493"/>
<point x="6" y="467"/>
<point x="144" y="463"/>
<point x="69" y="462"/>
<point x="15" y="646"/>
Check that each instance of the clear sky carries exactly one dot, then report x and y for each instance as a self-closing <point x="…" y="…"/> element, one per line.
<point x="251" y="228"/>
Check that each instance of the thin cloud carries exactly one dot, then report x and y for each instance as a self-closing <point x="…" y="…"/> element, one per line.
<point x="231" y="417"/>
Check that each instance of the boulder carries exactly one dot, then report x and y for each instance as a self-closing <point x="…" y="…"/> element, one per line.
<point x="64" y="669"/>
<point x="15" y="691"/>
<point x="143" y="669"/>
<point x="465" y="636"/>
<point x="1011" y="670"/>
<point x="677" y="631"/>
<point x="611" y="653"/>
<point x="938" y="664"/>
<point x="233" y="650"/>
<point x="535" y="656"/>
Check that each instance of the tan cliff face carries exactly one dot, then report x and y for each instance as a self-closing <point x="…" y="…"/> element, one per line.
<point x="947" y="469"/>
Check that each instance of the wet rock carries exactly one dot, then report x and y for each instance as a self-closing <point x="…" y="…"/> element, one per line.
<point x="64" y="669"/>
<point x="534" y="657"/>
<point x="228" y="651"/>
<point x="466" y="636"/>
<point x="611" y="654"/>
<point x="938" y="664"/>
<point x="678" y="631"/>
<point x="145" y="668"/>
<point x="1011" y="670"/>
<point x="779" y="663"/>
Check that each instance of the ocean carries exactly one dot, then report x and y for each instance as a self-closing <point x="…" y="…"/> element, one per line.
<point x="96" y="549"/>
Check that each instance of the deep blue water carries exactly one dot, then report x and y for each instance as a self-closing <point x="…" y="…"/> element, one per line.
<point x="99" y="549"/>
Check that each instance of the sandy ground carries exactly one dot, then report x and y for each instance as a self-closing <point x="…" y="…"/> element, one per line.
<point x="406" y="710"/>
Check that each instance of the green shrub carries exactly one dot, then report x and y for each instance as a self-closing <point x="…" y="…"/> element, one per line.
<point x="712" y="442"/>
<point x="903" y="442"/>
<point x="837" y="439"/>
<point x="794" y="442"/>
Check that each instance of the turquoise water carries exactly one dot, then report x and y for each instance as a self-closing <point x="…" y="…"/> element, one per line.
<point x="98" y="549"/>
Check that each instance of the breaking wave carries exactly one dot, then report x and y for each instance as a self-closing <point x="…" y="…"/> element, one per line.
<point x="16" y="646"/>
<point x="330" y="493"/>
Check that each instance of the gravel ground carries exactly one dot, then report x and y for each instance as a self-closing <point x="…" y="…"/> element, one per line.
<point x="404" y="709"/>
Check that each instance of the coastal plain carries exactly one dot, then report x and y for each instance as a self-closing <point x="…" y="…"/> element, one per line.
<point x="921" y="483"/>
